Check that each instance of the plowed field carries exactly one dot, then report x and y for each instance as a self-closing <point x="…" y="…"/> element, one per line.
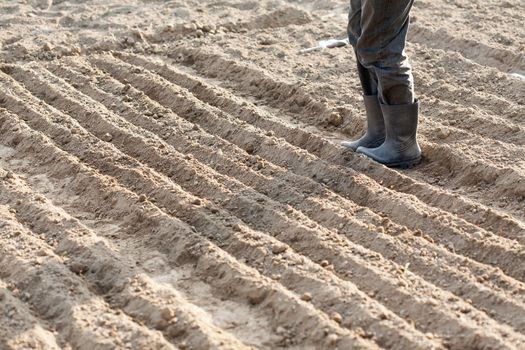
<point x="171" y="178"/>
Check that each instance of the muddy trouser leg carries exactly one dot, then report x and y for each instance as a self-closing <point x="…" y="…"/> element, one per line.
<point x="367" y="76"/>
<point x="377" y="29"/>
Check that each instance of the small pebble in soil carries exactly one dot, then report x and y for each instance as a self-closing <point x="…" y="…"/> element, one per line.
<point x="479" y="235"/>
<point x="77" y="268"/>
<point x="335" y="119"/>
<point x="383" y="316"/>
<point x="47" y="47"/>
<point x="443" y="133"/>
<point x="335" y="316"/>
<point x="161" y="325"/>
<point x="332" y="339"/>
<point x="250" y="148"/>
<point x="167" y="314"/>
<point x="278" y="248"/>
<point x="306" y="297"/>
<point x="42" y="252"/>
<point x="107" y="137"/>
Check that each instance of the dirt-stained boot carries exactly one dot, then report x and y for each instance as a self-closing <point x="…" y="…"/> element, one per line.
<point x="400" y="148"/>
<point x="375" y="132"/>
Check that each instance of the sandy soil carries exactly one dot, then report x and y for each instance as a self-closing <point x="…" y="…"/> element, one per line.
<point x="171" y="178"/>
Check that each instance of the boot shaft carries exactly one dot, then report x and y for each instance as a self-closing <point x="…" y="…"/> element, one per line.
<point x="374" y="116"/>
<point x="401" y="121"/>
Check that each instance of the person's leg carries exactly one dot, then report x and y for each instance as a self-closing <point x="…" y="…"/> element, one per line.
<point x="367" y="77"/>
<point x="381" y="48"/>
<point x="354" y="22"/>
<point x="375" y="133"/>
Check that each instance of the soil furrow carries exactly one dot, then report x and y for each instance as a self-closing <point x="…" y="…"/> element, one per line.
<point x="487" y="44"/>
<point x="83" y="319"/>
<point x="172" y="177"/>
<point x="128" y="289"/>
<point x="282" y="17"/>
<point x="297" y="97"/>
<point x="496" y="92"/>
<point x="19" y="328"/>
<point x="309" y="328"/>
<point x="160" y="307"/>
<point x="485" y="54"/>
<point x="294" y="99"/>
<point x="444" y="121"/>
<point x="195" y="218"/>
<point x="453" y="107"/>
<point x="471" y="86"/>
<point x="137" y="305"/>
<point x="284" y="187"/>
<point x="150" y="157"/>
<point x="469" y="131"/>
<point x="444" y="228"/>
<point x="472" y="212"/>
<point x="485" y="100"/>
<point x="374" y="319"/>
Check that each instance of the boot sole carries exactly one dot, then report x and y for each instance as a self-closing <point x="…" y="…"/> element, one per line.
<point x="406" y="164"/>
<point x="374" y="145"/>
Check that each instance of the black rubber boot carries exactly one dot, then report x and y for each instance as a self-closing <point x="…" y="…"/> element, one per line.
<point x="375" y="130"/>
<point x="400" y="148"/>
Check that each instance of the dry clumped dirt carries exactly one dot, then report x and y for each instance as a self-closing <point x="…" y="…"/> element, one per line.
<point x="171" y="178"/>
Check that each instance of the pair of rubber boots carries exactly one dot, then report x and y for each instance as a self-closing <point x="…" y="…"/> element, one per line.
<point x="390" y="138"/>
